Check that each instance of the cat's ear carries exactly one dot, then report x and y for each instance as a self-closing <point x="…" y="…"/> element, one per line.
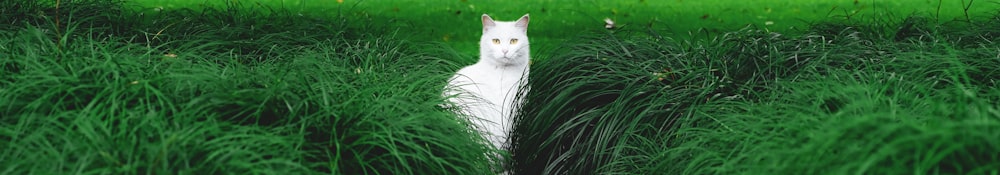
<point x="522" y="23"/>
<point x="488" y="23"/>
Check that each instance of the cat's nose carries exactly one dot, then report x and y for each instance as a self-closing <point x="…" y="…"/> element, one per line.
<point x="505" y="51"/>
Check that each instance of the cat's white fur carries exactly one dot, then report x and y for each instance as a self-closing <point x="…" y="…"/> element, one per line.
<point x="487" y="89"/>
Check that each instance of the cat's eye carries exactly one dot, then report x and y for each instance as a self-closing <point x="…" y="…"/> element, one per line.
<point x="513" y="41"/>
<point x="496" y="41"/>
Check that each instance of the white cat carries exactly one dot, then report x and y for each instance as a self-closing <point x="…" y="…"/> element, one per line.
<point x="487" y="89"/>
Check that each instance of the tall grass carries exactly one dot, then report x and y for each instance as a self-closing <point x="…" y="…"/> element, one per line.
<point x="250" y="89"/>
<point x="909" y="97"/>
<point x="222" y="91"/>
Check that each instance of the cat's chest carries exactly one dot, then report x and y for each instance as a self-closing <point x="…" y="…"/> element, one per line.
<point x="494" y="76"/>
<point x="489" y="81"/>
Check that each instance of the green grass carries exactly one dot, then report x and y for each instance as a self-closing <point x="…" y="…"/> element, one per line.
<point x="456" y="22"/>
<point x="108" y="87"/>
<point x="82" y="98"/>
<point x="755" y="102"/>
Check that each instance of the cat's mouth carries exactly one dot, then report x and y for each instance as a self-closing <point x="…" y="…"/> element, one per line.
<point x="509" y="56"/>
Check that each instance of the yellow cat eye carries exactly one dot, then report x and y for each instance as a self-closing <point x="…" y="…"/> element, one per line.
<point x="513" y="41"/>
<point x="496" y="41"/>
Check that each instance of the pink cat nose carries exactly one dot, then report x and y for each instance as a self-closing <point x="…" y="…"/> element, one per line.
<point x="505" y="51"/>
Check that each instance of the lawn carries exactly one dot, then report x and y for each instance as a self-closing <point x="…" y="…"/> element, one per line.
<point x="352" y="87"/>
<point x="456" y="22"/>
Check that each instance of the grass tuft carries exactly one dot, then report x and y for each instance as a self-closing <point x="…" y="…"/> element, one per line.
<point x="842" y="98"/>
<point x="302" y="96"/>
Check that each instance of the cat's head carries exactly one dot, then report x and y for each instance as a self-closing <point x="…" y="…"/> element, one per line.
<point x="504" y="42"/>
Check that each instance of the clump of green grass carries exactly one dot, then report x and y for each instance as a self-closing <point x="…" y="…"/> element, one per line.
<point x="574" y="118"/>
<point x="841" y="98"/>
<point x="302" y="97"/>
<point x="872" y="120"/>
